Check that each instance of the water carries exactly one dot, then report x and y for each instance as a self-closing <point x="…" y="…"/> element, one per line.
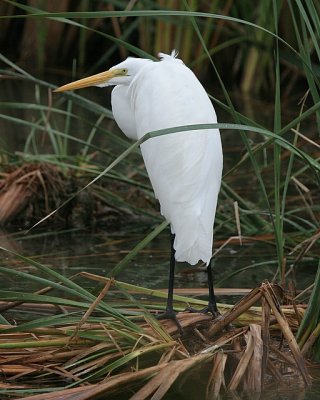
<point x="74" y="251"/>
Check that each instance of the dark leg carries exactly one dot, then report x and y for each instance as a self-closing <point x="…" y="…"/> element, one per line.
<point x="169" y="308"/>
<point x="212" y="305"/>
<point x="169" y="313"/>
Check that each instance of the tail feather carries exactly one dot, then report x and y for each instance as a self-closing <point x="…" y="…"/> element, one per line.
<point x="193" y="240"/>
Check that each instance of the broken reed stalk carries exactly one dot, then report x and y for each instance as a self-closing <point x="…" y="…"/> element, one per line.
<point x="311" y="340"/>
<point x="286" y="331"/>
<point x="90" y="310"/>
<point x="110" y="349"/>
<point x="89" y="392"/>
<point x="254" y="377"/>
<point x="267" y="294"/>
<point x="242" y="365"/>
<point x="242" y="306"/>
<point x="265" y="334"/>
<point x="160" y="384"/>
<point x="216" y="379"/>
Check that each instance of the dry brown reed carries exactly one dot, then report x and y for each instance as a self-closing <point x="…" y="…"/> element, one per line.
<point x="235" y="356"/>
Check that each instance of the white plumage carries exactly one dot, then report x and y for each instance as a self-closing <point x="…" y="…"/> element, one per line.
<point x="184" y="168"/>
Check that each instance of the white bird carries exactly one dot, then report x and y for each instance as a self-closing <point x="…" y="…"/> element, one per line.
<point x="184" y="168"/>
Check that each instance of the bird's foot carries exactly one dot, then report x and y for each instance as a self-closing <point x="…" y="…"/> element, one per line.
<point x="170" y="314"/>
<point x="211" y="308"/>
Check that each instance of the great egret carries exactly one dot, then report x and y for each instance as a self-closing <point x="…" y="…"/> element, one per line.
<point x="184" y="168"/>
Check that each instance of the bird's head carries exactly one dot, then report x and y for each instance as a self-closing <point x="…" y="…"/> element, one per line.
<point x="120" y="74"/>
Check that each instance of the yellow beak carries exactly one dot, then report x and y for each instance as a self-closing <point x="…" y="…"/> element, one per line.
<point x="89" y="81"/>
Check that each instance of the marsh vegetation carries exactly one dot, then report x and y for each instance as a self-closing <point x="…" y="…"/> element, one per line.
<point x="260" y="66"/>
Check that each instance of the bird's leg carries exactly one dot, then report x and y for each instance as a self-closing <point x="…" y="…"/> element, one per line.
<point x="212" y="304"/>
<point x="169" y="308"/>
<point x="169" y="313"/>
